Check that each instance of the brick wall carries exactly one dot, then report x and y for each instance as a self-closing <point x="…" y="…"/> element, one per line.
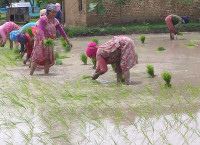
<point x="133" y="12"/>
<point x="74" y="17"/>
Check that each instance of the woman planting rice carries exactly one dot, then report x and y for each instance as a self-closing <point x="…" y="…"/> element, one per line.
<point x="5" y="30"/>
<point x="119" y="51"/>
<point x="173" y="23"/>
<point x="43" y="56"/>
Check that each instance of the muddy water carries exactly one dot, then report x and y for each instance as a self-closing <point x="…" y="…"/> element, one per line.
<point x="181" y="61"/>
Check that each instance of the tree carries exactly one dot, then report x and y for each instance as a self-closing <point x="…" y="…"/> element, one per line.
<point x="42" y="3"/>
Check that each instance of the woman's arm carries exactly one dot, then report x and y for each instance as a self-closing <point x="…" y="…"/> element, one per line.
<point x="62" y="33"/>
<point x="101" y="68"/>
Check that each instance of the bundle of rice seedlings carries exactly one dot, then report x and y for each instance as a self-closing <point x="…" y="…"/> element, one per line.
<point x="94" y="62"/>
<point x="49" y="42"/>
<point x="136" y="57"/>
<point x="190" y="44"/>
<point x="142" y="38"/>
<point x="181" y="33"/>
<point x="84" y="58"/>
<point x="86" y="77"/>
<point x="167" y="78"/>
<point x="65" y="45"/>
<point x="150" y="70"/>
<point x="95" y="40"/>
<point x="29" y="31"/>
<point x="56" y="55"/>
<point x="160" y="48"/>
<point x="58" y="62"/>
<point x="113" y="66"/>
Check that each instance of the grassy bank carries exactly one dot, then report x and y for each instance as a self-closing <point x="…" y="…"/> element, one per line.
<point x="128" y="29"/>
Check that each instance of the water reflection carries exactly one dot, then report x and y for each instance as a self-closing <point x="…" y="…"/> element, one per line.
<point x="170" y="129"/>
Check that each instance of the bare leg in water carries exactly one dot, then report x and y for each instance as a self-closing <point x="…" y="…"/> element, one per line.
<point x="46" y="66"/>
<point x="127" y="77"/>
<point x="33" y="67"/>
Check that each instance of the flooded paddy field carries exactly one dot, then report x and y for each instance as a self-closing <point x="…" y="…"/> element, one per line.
<point x="62" y="108"/>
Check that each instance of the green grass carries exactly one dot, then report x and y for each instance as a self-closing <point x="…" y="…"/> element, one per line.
<point x="158" y="27"/>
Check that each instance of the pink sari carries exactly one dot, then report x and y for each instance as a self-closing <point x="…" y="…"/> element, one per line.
<point x="169" y="23"/>
<point x="41" y="53"/>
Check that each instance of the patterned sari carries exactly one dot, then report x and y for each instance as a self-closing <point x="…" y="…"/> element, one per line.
<point x="41" y="53"/>
<point x="119" y="50"/>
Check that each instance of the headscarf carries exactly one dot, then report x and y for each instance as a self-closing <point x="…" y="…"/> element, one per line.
<point x="92" y="50"/>
<point x="42" y="12"/>
<point x="21" y="38"/>
<point x="13" y="35"/>
<point x="186" y="19"/>
<point x="51" y="7"/>
<point x="58" y="6"/>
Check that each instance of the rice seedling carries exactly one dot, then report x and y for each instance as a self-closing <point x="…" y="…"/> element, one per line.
<point x="94" y="62"/>
<point x="84" y="58"/>
<point x="190" y="44"/>
<point x="142" y="38"/>
<point x="86" y="77"/>
<point x="70" y="34"/>
<point x="29" y="31"/>
<point x="16" y="51"/>
<point x="160" y="48"/>
<point x="181" y="33"/>
<point x="113" y="66"/>
<point x="95" y="40"/>
<point x="150" y="70"/>
<point x="49" y="43"/>
<point x="56" y="55"/>
<point x="63" y="57"/>
<point x="167" y="78"/>
<point x="136" y="57"/>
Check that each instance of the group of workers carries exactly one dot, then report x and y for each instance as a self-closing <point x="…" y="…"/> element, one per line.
<point x="119" y="50"/>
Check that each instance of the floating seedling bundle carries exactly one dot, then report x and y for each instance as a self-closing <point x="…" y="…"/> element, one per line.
<point x="150" y="70"/>
<point x="160" y="48"/>
<point x="142" y="38"/>
<point x="29" y="31"/>
<point x="84" y="58"/>
<point x="167" y="78"/>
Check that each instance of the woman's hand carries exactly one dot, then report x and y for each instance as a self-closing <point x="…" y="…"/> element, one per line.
<point x="95" y="76"/>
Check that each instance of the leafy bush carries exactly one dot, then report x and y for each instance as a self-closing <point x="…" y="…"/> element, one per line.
<point x="150" y="70"/>
<point x="160" y="48"/>
<point x="95" y="40"/>
<point x="142" y="38"/>
<point x="84" y="58"/>
<point x="167" y="78"/>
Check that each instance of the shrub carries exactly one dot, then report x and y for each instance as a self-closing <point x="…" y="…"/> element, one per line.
<point x="150" y="70"/>
<point x="58" y="62"/>
<point x="84" y="58"/>
<point x="167" y="78"/>
<point x="160" y="48"/>
<point x="70" y="34"/>
<point x="95" y="40"/>
<point x="142" y="38"/>
<point x="56" y="55"/>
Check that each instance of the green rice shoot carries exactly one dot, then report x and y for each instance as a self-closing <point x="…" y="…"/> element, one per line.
<point x="190" y="44"/>
<point x="84" y="58"/>
<point x="160" y="48"/>
<point x="95" y="40"/>
<point x="142" y="38"/>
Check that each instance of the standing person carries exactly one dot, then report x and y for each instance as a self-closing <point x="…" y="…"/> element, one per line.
<point x="5" y="30"/>
<point x="119" y="51"/>
<point x="59" y="13"/>
<point x="173" y="23"/>
<point x="42" y="56"/>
